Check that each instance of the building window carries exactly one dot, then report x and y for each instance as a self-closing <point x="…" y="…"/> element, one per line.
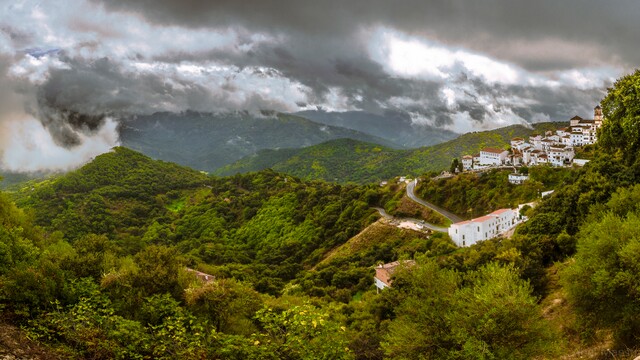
<point x="464" y="243"/>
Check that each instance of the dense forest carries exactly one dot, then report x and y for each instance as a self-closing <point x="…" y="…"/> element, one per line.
<point x="94" y="263"/>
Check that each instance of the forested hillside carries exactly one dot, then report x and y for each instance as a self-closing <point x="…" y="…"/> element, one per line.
<point x="348" y="160"/>
<point x="475" y="194"/>
<point x="94" y="264"/>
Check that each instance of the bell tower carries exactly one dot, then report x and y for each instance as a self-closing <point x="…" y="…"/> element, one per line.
<point x="597" y="114"/>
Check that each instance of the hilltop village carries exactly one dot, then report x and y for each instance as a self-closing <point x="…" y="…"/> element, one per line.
<point x="555" y="149"/>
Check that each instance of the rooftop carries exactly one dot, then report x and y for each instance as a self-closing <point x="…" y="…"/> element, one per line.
<point x="493" y="150"/>
<point x="385" y="271"/>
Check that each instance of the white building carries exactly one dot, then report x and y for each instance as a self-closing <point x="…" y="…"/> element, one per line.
<point x="517" y="142"/>
<point x="518" y="179"/>
<point x="493" y="156"/>
<point x="467" y="162"/>
<point x="469" y="232"/>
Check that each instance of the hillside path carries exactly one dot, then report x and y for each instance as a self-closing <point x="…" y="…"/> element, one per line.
<point x="416" y="222"/>
<point x="411" y="187"/>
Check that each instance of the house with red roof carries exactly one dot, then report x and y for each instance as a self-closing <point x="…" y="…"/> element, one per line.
<point x="384" y="272"/>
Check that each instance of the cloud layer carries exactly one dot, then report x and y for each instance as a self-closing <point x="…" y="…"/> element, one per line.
<point x="461" y="65"/>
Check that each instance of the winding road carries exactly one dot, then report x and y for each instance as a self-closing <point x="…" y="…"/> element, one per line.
<point x="411" y="187"/>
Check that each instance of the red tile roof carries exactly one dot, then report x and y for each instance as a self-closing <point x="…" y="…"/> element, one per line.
<point x="384" y="272"/>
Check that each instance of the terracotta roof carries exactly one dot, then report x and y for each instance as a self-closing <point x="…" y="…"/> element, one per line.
<point x="517" y="139"/>
<point x="543" y="156"/>
<point x="493" y="150"/>
<point x="463" y="222"/>
<point x="483" y="218"/>
<point x="501" y="211"/>
<point x="467" y="157"/>
<point x="576" y="118"/>
<point x="384" y="272"/>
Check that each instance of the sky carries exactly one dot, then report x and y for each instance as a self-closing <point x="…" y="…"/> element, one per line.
<point x="70" y="69"/>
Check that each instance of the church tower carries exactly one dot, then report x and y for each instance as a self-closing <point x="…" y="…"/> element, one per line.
<point x="597" y="115"/>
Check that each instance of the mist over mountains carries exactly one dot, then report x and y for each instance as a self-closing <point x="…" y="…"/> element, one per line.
<point x="207" y="141"/>
<point x="394" y="126"/>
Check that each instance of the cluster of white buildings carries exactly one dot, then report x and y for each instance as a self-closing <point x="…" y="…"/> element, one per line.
<point x="556" y="149"/>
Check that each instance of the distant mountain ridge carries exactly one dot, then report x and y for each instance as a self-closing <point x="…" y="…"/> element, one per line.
<point x="206" y="141"/>
<point x="396" y="127"/>
<point x="347" y="160"/>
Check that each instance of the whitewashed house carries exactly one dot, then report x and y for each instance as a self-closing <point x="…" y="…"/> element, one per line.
<point x="469" y="232"/>
<point x="467" y="162"/>
<point x="517" y="142"/>
<point x="493" y="156"/>
<point x="517" y="178"/>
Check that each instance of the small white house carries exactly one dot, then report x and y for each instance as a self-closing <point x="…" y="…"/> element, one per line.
<point x="467" y="162"/>
<point x="518" y="179"/>
<point x="469" y="232"/>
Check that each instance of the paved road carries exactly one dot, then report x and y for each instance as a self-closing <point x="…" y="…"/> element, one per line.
<point x="415" y="221"/>
<point x="411" y="194"/>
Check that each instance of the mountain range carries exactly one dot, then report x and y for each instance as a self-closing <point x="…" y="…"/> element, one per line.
<point x="206" y="141"/>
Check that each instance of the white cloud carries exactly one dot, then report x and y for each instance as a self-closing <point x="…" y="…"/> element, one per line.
<point x="408" y="56"/>
<point x="31" y="148"/>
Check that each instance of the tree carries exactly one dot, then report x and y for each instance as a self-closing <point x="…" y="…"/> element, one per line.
<point x="487" y="314"/>
<point x="621" y="110"/>
<point x="602" y="282"/>
<point x="454" y="166"/>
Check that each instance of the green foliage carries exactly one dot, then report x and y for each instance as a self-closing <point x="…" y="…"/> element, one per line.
<point x="302" y="332"/>
<point x="602" y="283"/>
<point x="621" y="110"/>
<point x="471" y="195"/>
<point x="226" y="304"/>
<point x="489" y="314"/>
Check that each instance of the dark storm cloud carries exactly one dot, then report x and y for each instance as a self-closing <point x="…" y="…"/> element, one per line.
<point x="79" y="96"/>
<point x="531" y="33"/>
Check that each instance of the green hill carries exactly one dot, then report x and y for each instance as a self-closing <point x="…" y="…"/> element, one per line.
<point x="347" y="160"/>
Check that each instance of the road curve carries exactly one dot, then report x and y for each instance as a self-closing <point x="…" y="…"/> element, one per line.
<point x="422" y="223"/>
<point x="411" y="187"/>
